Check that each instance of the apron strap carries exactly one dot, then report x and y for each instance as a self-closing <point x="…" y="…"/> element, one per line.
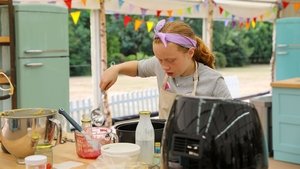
<point x="195" y="79"/>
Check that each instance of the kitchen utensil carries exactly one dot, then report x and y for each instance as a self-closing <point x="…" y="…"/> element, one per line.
<point x="126" y="131"/>
<point x="88" y="138"/>
<point x="98" y="117"/>
<point x="101" y="135"/>
<point x="102" y="116"/>
<point x="23" y="129"/>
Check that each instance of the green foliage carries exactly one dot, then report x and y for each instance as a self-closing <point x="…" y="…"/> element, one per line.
<point x="220" y="60"/>
<point x="261" y="41"/>
<point x="233" y="44"/>
<point x="79" y="44"/>
<point x="137" y="56"/>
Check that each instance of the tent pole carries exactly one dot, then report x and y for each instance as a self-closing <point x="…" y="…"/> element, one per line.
<point x="210" y="24"/>
<point x="95" y="57"/>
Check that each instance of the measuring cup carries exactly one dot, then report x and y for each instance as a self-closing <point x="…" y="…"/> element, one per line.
<point x="99" y="135"/>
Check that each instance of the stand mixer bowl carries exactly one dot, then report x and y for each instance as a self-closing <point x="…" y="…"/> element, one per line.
<point x="23" y="129"/>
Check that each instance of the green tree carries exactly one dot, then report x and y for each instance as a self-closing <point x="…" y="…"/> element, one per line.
<point x="233" y="44"/>
<point x="261" y="40"/>
<point x="79" y="44"/>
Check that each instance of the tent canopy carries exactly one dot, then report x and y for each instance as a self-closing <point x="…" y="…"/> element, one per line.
<point x="224" y="9"/>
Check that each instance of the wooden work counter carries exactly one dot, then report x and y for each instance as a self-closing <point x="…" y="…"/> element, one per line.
<point x="289" y="83"/>
<point x="61" y="153"/>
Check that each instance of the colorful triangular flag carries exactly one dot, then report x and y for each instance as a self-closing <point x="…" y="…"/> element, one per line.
<point x="83" y="2"/>
<point x="158" y="13"/>
<point x="149" y="25"/>
<point x="189" y="10"/>
<point x="143" y="11"/>
<point x="137" y="24"/>
<point x="121" y="2"/>
<point x="180" y="12"/>
<point x="220" y="10"/>
<point x="297" y="6"/>
<point x="75" y="16"/>
<point x="170" y="13"/>
<point x="285" y="4"/>
<point x="197" y="7"/>
<point x="127" y="19"/>
<point x="68" y="3"/>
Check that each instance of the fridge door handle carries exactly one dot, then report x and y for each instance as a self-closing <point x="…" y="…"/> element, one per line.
<point x="34" y="64"/>
<point x="38" y="51"/>
<point x="33" y="51"/>
<point x="282" y="45"/>
<point x="282" y="53"/>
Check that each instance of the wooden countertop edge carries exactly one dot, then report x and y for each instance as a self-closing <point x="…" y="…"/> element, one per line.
<point x="289" y="83"/>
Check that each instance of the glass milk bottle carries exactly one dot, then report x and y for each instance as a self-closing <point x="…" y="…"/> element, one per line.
<point x="144" y="137"/>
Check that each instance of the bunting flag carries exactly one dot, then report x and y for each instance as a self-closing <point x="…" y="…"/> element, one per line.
<point x="261" y="17"/>
<point x="197" y="7"/>
<point x="253" y="22"/>
<point x="170" y="13"/>
<point x="75" y="16"/>
<point x="220" y="10"/>
<point x="226" y="23"/>
<point x="149" y="25"/>
<point x="130" y="8"/>
<point x="297" y="6"/>
<point x="241" y="25"/>
<point x="143" y="11"/>
<point x="117" y="16"/>
<point x="127" y="19"/>
<point x="121" y="2"/>
<point x="68" y="3"/>
<point x="247" y="25"/>
<point x="285" y="4"/>
<point x="137" y="24"/>
<point x="226" y="14"/>
<point x="158" y="12"/>
<point x="275" y="9"/>
<point x="180" y="12"/>
<point x="233" y="21"/>
<point x="83" y="2"/>
<point x="268" y="13"/>
<point x="189" y="10"/>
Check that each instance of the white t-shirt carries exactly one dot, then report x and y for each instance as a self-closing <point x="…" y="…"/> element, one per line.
<point x="211" y="83"/>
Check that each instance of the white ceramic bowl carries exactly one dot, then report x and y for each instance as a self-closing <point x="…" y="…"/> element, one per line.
<point x="121" y="153"/>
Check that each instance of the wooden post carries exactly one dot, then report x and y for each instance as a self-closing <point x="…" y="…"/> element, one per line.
<point x="103" y="55"/>
<point x="210" y="24"/>
<point x="103" y="49"/>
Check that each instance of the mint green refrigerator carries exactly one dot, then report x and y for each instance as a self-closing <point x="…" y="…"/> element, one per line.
<point x="287" y="61"/>
<point x="42" y="56"/>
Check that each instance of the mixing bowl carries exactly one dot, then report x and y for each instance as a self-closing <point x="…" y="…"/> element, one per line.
<point x="23" y="129"/>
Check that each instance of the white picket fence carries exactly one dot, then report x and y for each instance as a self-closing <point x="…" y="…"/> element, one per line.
<point x="120" y="104"/>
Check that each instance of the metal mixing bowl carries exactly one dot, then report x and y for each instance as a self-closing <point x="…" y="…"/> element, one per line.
<point x="23" y="129"/>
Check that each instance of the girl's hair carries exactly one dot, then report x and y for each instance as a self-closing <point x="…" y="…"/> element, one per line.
<point x="202" y="53"/>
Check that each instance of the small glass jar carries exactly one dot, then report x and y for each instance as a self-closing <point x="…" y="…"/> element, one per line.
<point x="36" y="161"/>
<point x="45" y="149"/>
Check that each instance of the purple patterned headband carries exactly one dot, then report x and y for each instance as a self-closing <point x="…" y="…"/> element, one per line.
<point x="172" y="37"/>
